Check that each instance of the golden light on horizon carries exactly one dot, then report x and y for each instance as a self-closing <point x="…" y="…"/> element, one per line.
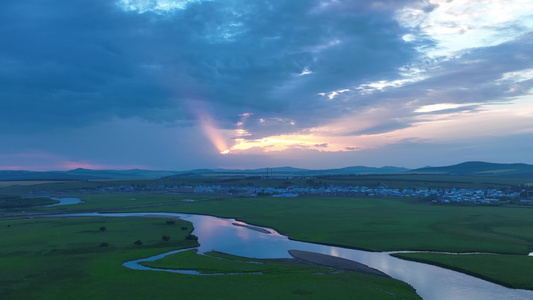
<point x="292" y="141"/>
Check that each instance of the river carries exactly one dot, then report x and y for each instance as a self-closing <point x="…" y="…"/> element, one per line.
<point x="430" y="282"/>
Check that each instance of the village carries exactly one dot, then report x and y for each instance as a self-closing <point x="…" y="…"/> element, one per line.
<point x="434" y="195"/>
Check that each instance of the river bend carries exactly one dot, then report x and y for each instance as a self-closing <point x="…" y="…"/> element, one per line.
<point x="238" y="238"/>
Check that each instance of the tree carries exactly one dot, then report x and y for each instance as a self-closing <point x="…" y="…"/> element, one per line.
<point x="191" y="237"/>
<point x="138" y="243"/>
<point x="165" y="238"/>
<point x="102" y="229"/>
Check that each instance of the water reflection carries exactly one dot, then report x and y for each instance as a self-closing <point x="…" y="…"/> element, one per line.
<point x="430" y="282"/>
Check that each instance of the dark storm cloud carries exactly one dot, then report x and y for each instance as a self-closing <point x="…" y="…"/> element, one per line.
<point x="75" y="63"/>
<point x="69" y="63"/>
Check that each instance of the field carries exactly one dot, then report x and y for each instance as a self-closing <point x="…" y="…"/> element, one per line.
<point x="380" y="224"/>
<point x="405" y="181"/>
<point x="4" y="184"/>
<point x="66" y="259"/>
<point x="39" y="251"/>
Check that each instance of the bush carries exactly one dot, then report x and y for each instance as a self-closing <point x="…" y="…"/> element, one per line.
<point x="102" y="229"/>
<point x="165" y="238"/>
<point x="184" y="228"/>
<point x="191" y="237"/>
<point x="171" y="222"/>
<point x="138" y="243"/>
<point x="104" y="244"/>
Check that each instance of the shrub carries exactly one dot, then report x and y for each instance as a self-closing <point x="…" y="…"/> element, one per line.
<point x="104" y="244"/>
<point x="171" y="222"/>
<point x="102" y="229"/>
<point x="138" y="243"/>
<point x="165" y="238"/>
<point x="191" y="237"/>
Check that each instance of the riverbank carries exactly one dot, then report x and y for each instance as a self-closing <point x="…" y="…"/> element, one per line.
<point x="334" y="262"/>
<point x="504" y="270"/>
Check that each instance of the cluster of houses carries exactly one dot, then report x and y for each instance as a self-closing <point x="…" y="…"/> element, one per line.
<point x="436" y="195"/>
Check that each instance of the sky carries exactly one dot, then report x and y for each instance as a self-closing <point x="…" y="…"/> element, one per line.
<point x="239" y="84"/>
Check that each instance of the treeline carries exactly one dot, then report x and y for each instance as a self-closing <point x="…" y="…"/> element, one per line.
<point x="15" y="201"/>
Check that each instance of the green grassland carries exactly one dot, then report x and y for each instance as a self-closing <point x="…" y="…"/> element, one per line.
<point x="427" y="181"/>
<point x="14" y="202"/>
<point x="380" y="224"/>
<point x="391" y="181"/>
<point x="64" y="259"/>
<point x="103" y="202"/>
<point x="404" y="181"/>
<point x="49" y="254"/>
<point x="279" y="280"/>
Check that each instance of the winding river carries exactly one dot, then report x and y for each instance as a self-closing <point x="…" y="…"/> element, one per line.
<point x="238" y="238"/>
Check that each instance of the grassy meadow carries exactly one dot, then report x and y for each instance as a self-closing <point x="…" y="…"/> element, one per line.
<point x="379" y="224"/>
<point x="65" y="257"/>
<point x="280" y="280"/>
<point x="103" y="202"/>
<point x="394" y="224"/>
<point x="405" y="181"/>
<point x="81" y="258"/>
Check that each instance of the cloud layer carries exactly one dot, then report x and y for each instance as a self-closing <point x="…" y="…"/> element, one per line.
<point x="259" y="76"/>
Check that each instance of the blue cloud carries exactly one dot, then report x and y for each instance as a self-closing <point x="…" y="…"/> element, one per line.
<point x="76" y="63"/>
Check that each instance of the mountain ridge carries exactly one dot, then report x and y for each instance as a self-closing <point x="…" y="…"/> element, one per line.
<point x="470" y="168"/>
<point x="480" y="168"/>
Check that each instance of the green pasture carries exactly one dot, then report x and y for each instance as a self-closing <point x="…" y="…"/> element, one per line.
<point x="102" y="202"/>
<point x="425" y="181"/>
<point x="65" y="258"/>
<point x="380" y="224"/>
<point x="513" y="271"/>
<point x="405" y="181"/>
<point x="45" y="187"/>
<point x="10" y="183"/>
<point x="280" y="280"/>
<point x="383" y="224"/>
<point x="15" y="202"/>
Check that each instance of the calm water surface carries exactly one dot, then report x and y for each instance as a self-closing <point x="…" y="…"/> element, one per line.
<point x="65" y="201"/>
<point x="430" y="282"/>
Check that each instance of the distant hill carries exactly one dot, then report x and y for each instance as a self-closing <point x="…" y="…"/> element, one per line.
<point x="83" y="174"/>
<point x="473" y="168"/>
<point x="290" y="171"/>
<point x="479" y="168"/>
<point x="86" y="174"/>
